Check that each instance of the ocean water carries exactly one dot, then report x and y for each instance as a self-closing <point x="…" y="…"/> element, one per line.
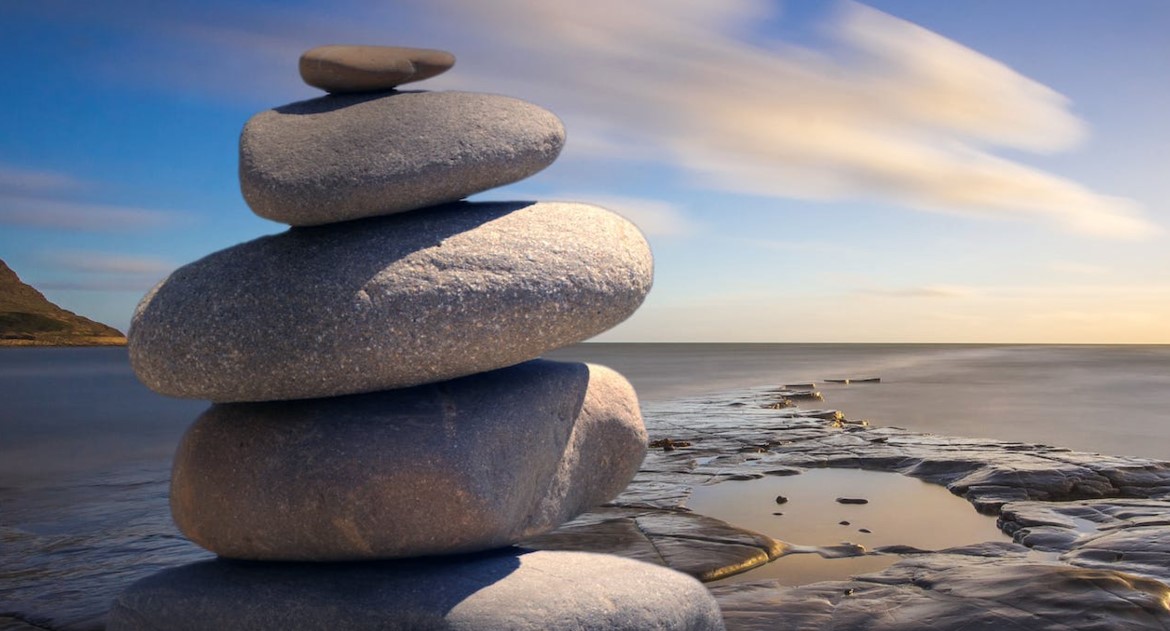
<point x="85" y="449"/>
<point x="1106" y="399"/>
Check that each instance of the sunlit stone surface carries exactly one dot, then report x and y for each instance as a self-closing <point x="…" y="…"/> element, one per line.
<point x="344" y="69"/>
<point x="338" y="158"/>
<point x="458" y="466"/>
<point x="506" y="590"/>
<point x="390" y="302"/>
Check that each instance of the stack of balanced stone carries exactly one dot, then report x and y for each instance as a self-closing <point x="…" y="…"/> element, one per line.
<point x="381" y="433"/>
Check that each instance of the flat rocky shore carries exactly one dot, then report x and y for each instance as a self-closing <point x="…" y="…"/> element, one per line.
<point x="1091" y="532"/>
<point x="1101" y="525"/>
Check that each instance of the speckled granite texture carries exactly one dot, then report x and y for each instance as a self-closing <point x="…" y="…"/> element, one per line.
<point x="458" y="466"/>
<point x="390" y="302"/>
<point x="511" y="589"/>
<point x="337" y="158"/>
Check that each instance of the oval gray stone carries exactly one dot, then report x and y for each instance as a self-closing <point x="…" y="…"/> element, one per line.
<point x="346" y="157"/>
<point x="459" y="466"/>
<point x="341" y="69"/>
<point x="510" y="590"/>
<point x="390" y="302"/>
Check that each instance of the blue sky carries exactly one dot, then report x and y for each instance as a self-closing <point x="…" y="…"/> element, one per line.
<point x="990" y="171"/>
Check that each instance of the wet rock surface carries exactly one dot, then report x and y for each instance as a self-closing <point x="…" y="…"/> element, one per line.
<point x="1129" y="533"/>
<point x="703" y="547"/>
<point x="1107" y="516"/>
<point x="1087" y="547"/>
<point x="975" y="588"/>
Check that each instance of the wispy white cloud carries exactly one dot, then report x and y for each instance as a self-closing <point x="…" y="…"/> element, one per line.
<point x="922" y="291"/>
<point x="654" y="217"/>
<point x="1077" y="268"/>
<point x="893" y="112"/>
<point x="885" y="111"/>
<point x="133" y="285"/>
<point x="1079" y="313"/>
<point x="15" y="179"/>
<point x="45" y="199"/>
<point x="53" y="214"/>
<point x="90" y="262"/>
<point x="794" y="245"/>
<point x="88" y="270"/>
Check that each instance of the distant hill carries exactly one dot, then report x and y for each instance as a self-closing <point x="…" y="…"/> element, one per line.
<point x="27" y="318"/>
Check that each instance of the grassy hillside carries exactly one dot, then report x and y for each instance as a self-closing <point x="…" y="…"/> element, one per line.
<point x="27" y="318"/>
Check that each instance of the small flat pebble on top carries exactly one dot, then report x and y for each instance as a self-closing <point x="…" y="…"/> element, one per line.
<point x="344" y="69"/>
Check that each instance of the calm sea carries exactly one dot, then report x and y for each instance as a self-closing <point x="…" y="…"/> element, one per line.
<point x="85" y="449"/>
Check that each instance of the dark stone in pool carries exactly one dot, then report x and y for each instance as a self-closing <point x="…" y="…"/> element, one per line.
<point x="852" y="500"/>
<point x="782" y="472"/>
<point x="780" y="499"/>
<point x="843" y="523"/>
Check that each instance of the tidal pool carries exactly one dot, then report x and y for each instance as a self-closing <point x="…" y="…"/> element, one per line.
<point x="900" y="511"/>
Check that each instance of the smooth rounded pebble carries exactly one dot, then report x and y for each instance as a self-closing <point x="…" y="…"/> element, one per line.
<point x="340" y="69"/>
<point x="459" y="466"/>
<point x="338" y="158"/>
<point x="511" y="590"/>
<point x="390" y="302"/>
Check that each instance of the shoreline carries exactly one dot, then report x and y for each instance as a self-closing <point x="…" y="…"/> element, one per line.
<point x="1084" y="526"/>
<point x="97" y="341"/>
<point x="735" y="436"/>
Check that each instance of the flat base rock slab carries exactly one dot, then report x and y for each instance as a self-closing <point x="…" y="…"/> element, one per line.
<point x="345" y="157"/>
<point x="514" y="590"/>
<point x="459" y="466"/>
<point x="341" y="69"/>
<point x="389" y="302"/>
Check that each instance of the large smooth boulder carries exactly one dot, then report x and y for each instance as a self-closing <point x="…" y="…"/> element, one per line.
<point x="343" y="69"/>
<point x="459" y="466"/>
<point x="389" y="302"/>
<point x="510" y="590"/>
<point x="343" y="157"/>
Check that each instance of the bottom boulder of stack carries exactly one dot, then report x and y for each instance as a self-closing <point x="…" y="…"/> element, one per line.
<point x="509" y="588"/>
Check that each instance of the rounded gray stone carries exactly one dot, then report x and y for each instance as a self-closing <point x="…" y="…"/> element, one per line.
<point x="511" y="590"/>
<point x="390" y="302"/>
<point x="459" y="466"/>
<point x="342" y="69"/>
<point x="345" y="157"/>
